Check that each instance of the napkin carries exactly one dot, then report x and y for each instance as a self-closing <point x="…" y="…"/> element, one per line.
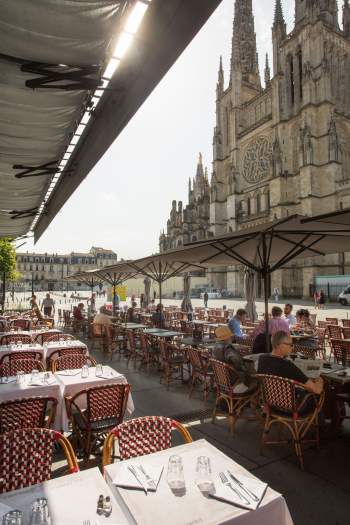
<point x="69" y="373"/>
<point x="225" y="493"/>
<point x="127" y="480"/>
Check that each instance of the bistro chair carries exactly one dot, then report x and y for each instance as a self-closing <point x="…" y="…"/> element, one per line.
<point x="150" y="350"/>
<point x="71" y="362"/>
<point x="134" y="352"/>
<point x="26" y="457"/>
<point x="14" y="338"/>
<point x="282" y="406"/>
<point x="97" y="335"/>
<point x="64" y="351"/>
<point x="105" y="408"/>
<point x="67" y="319"/>
<point x="226" y="381"/>
<point x="305" y="351"/>
<point x="32" y="412"/>
<point x="245" y="344"/>
<point x="21" y="324"/>
<point x="173" y="360"/>
<point x="346" y="332"/>
<point x="341" y="351"/>
<point x="21" y="365"/>
<point x="332" y="320"/>
<point x="142" y="436"/>
<point x="321" y="342"/>
<point x="3" y="325"/>
<point x="201" y="371"/>
<point x="115" y="340"/>
<point x="334" y="331"/>
<point x="346" y="322"/>
<point x="322" y="324"/>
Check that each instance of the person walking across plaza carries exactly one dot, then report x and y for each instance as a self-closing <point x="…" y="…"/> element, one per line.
<point x="48" y="306"/>
<point x="205" y="298"/>
<point x="321" y="300"/>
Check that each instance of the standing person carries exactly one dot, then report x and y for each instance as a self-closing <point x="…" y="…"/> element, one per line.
<point x="316" y="298"/>
<point x="48" y="306"/>
<point x="322" y="299"/>
<point x="205" y="298"/>
<point x="116" y="300"/>
<point x="142" y="300"/>
<point x="186" y="306"/>
<point x="288" y="316"/>
<point x="276" y="294"/>
<point x="154" y="294"/>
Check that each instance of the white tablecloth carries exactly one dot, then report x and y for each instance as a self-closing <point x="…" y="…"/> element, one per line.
<point x="72" y="499"/>
<point x="7" y="349"/>
<point x="193" y="507"/>
<point x="71" y="385"/>
<point x="12" y="391"/>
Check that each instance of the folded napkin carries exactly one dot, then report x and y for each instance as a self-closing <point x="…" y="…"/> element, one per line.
<point x="69" y="373"/>
<point x="126" y="478"/>
<point x="6" y="380"/>
<point x="225" y="493"/>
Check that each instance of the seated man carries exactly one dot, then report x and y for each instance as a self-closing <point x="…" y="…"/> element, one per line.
<point x="236" y="321"/>
<point x="158" y="318"/>
<point x="152" y="306"/>
<point x="276" y="364"/>
<point x="102" y="318"/>
<point x="288" y="316"/>
<point x="275" y="324"/>
<point x="224" y="351"/>
<point x="131" y="317"/>
<point x="78" y="312"/>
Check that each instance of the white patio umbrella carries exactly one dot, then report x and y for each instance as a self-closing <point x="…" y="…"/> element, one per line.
<point x="250" y="294"/>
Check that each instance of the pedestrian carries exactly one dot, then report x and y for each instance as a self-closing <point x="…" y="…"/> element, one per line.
<point x="316" y="298"/>
<point x="321" y="300"/>
<point x="205" y="298"/>
<point x="48" y="306"/>
<point x="154" y="294"/>
<point x="276" y="294"/>
<point x="142" y="300"/>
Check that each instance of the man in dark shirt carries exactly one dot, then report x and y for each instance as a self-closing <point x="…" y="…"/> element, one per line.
<point x="276" y="364"/>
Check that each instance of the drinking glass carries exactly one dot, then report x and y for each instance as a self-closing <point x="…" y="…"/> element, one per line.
<point x="20" y="377"/>
<point x="13" y="517"/>
<point x="35" y="376"/>
<point x="175" y="475"/>
<point x="85" y="371"/>
<point x="99" y="370"/>
<point x="40" y="512"/>
<point x="19" y="343"/>
<point x="203" y="474"/>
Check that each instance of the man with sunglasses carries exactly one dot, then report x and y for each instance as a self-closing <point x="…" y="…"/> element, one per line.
<point x="276" y="364"/>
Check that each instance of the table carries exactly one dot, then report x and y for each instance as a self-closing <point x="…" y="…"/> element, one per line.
<point x="154" y="331"/>
<point x="71" y="385"/>
<point x="190" y="341"/>
<point x="166" y="334"/>
<point x="49" y="348"/>
<point x="31" y="347"/>
<point x="72" y="499"/>
<point x="193" y="507"/>
<point x="132" y="326"/>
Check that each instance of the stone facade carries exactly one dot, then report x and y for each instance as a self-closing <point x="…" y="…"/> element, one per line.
<point x="283" y="148"/>
<point x="49" y="270"/>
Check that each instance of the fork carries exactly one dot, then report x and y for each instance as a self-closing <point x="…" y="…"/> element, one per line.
<point x="226" y="482"/>
<point x="86" y="522"/>
<point x="148" y="477"/>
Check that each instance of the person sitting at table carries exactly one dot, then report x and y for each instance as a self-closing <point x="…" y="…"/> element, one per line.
<point x="131" y="315"/>
<point x="305" y="323"/>
<point x="275" y="324"/>
<point x="78" y="312"/>
<point x="186" y="306"/>
<point x="152" y="306"/>
<point x="277" y="364"/>
<point x="102" y="317"/>
<point x="225" y="351"/>
<point x="158" y="317"/>
<point x="236" y="321"/>
<point x="288" y="316"/>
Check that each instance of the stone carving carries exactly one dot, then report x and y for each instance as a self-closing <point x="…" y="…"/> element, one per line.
<point x="257" y="160"/>
<point x="306" y="150"/>
<point x="277" y="158"/>
<point x="333" y="141"/>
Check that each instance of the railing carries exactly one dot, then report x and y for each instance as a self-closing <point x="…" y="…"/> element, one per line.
<point x="255" y="112"/>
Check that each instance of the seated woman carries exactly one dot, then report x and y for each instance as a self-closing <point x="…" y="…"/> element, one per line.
<point x="131" y="317"/>
<point x="304" y="323"/>
<point x="158" y="318"/>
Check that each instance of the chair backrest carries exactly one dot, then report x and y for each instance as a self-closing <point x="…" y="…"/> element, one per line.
<point x="65" y="351"/>
<point x="27" y="413"/>
<point x="225" y="376"/>
<point x="195" y="357"/>
<point x="346" y="332"/>
<point x="332" y="320"/>
<point x="322" y="324"/>
<point x="3" y="325"/>
<point x="141" y="436"/>
<point x="334" y="331"/>
<point x="306" y="351"/>
<point x="71" y="361"/>
<point x="28" y="453"/>
<point x="278" y="393"/>
<point x="26" y="365"/>
<point x="346" y="322"/>
<point x="14" y="338"/>
<point x="341" y="351"/>
<point x="23" y="324"/>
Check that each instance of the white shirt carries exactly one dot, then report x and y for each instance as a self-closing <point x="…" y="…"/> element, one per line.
<point x="291" y="319"/>
<point x="102" y="319"/>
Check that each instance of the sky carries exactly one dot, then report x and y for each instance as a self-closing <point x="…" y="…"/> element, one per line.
<point x="125" y="201"/>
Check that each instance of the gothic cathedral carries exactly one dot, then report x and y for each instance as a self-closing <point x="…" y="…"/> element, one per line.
<point x="279" y="149"/>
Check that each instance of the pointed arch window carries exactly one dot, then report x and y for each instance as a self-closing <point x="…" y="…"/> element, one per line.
<point x="248" y="206"/>
<point x="258" y="203"/>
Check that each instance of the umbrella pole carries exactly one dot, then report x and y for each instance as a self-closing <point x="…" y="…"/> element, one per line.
<point x="160" y="302"/>
<point x="266" y="302"/>
<point x="114" y="292"/>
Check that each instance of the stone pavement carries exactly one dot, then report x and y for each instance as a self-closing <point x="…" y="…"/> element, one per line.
<point x="319" y="495"/>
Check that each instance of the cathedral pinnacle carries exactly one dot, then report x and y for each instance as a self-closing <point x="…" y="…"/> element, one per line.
<point x="346" y="18"/>
<point x="244" y="51"/>
<point x="267" y="72"/>
<point x="220" y="84"/>
<point x="279" y="22"/>
<point x="200" y="172"/>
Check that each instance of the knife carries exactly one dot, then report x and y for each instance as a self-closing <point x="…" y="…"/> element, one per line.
<point x="134" y="472"/>
<point x="240" y="484"/>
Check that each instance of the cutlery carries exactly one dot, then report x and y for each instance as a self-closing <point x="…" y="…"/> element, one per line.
<point x="134" y="472"/>
<point x="86" y="522"/>
<point x="226" y="482"/>
<point x="149" y="480"/>
<point x="240" y="484"/>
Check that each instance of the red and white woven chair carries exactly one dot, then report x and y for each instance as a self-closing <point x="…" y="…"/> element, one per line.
<point x="71" y="361"/>
<point x="64" y="351"/>
<point x="26" y="457"/>
<point x="226" y="380"/>
<point x="14" y="362"/>
<point x="49" y="337"/>
<point x="141" y="436"/>
<point x="282" y="406"/>
<point x="32" y="412"/>
<point x="105" y="408"/>
<point x="334" y="331"/>
<point x="14" y="338"/>
<point x="201" y="371"/>
<point x="332" y="320"/>
<point x="341" y="351"/>
<point x="305" y="351"/>
<point x="21" y="324"/>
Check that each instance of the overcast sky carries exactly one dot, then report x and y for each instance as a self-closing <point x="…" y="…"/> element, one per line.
<point x="126" y="199"/>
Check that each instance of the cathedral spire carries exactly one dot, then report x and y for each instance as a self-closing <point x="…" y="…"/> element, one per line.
<point x="279" y="22"/>
<point x="244" y="56"/>
<point x="220" y="84"/>
<point x="200" y="171"/>
<point x="346" y="18"/>
<point x="267" y="73"/>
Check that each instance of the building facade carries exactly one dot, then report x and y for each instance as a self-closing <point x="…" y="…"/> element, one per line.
<point x="48" y="271"/>
<point x="282" y="146"/>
